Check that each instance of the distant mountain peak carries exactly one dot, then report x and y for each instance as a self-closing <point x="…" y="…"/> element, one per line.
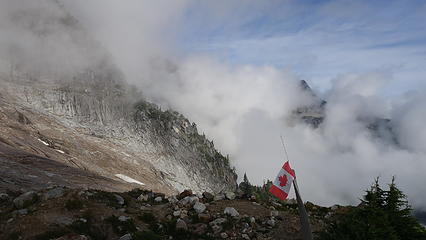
<point x="304" y="85"/>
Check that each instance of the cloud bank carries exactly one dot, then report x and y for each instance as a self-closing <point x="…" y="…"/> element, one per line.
<point x="42" y="38"/>
<point x="245" y="108"/>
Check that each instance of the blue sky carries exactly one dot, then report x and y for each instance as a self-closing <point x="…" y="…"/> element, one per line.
<point x="349" y="46"/>
<point x="317" y="40"/>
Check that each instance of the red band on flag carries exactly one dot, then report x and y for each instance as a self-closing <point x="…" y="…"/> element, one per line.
<point x="288" y="169"/>
<point x="278" y="192"/>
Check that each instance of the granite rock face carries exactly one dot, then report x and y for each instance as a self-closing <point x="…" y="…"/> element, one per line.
<point x="184" y="158"/>
<point x="90" y="94"/>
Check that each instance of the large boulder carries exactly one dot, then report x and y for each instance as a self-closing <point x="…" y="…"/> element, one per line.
<point x="4" y="197"/>
<point x="54" y="193"/>
<point x="200" y="228"/>
<point x="185" y="193"/>
<point x="271" y="222"/>
<point x="230" y="195"/>
<point x="120" y="199"/>
<point x="219" y="197"/>
<point x="25" y="199"/>
<point x="172" y="199"/>
<point x="199" y="207"/>
<point x="208" y="196"/>
<point x="231" y="212"/>
<point x="181" y="225"/>
<point x="127" y="236"/>
<point x="176" y="213"/>
<point x="218" y="221"/>
<point x="143" y="197"/>
<point x="216" y="225"/>
<point x="274" y="213"/>
<point x="188" y="200"/>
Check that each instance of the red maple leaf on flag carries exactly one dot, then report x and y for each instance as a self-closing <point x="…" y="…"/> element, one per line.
<point x="283" y="180"/>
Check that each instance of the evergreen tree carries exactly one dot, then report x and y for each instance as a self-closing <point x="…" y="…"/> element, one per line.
<point x="245" y="179"/>
<point x="399" y="211"/>
<point x="381" y="215"/>
<point x="246" y="187"/>
<point x="375" y="197"/>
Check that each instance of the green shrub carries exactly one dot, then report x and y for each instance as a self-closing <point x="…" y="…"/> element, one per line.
<point x="136" y="192"/>
<point x="121" y="227"/>
<point x="106" y="197"/>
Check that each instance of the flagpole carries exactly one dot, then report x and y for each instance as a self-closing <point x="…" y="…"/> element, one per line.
<point x="304" y="219"/>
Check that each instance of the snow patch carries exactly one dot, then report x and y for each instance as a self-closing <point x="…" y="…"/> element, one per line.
<point x="128" y="179"/>
<point x="60" y="151"/>
<point x="176" y="129"/>
<point x="45" y="143"/>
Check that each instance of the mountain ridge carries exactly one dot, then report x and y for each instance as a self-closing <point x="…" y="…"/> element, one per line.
<point x="69" y="97"/>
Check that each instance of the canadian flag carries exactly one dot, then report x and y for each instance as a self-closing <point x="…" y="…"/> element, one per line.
<point x="282" y="184"/>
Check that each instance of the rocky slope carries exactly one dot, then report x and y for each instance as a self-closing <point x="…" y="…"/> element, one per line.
<point x="144" y="136"/>
<point x="64" y="104"/>
<point x="61" y="213"/>
<point x="101" y="131"/>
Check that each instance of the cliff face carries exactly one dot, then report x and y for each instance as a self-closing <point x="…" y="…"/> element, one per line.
<point x="60" y="74"/>
<point x="105" y="109"/>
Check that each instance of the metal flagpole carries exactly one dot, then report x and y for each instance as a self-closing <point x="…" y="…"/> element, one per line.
<point x="304" y="219"/>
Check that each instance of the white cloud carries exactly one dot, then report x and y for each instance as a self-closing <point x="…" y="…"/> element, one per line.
<point x="245" y="107"/>
<point x="134" y="31"/>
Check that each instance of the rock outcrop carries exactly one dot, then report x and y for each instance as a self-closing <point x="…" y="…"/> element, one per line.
<point x="84" y="100"/>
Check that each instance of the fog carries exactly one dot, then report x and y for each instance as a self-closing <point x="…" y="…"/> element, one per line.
<point x="244" y="108"/>
<point x="41" y="38"/>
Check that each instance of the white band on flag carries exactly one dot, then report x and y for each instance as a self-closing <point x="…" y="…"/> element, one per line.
<point x="282" y="183"/>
